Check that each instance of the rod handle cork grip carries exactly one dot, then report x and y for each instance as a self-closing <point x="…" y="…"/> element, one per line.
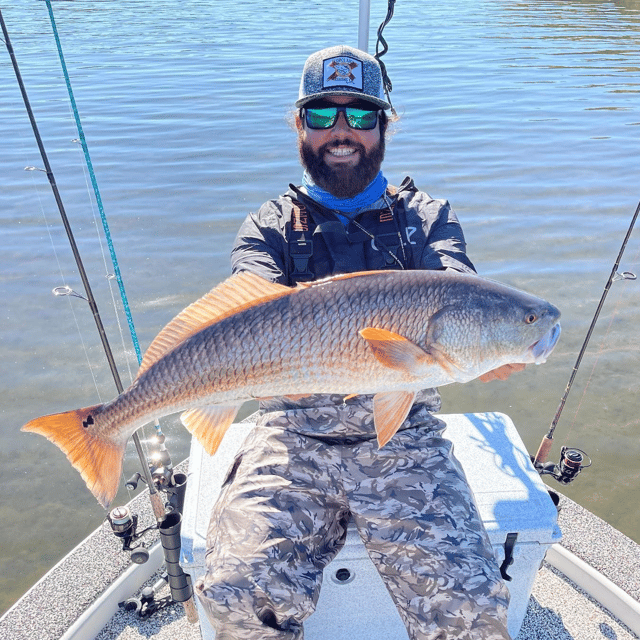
<point x="543" y="449"/>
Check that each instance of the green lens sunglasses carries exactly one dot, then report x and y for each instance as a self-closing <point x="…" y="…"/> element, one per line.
<point x="326" y="117"/>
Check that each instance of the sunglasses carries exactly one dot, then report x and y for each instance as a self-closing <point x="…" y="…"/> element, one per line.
<point x="326" y="117"/>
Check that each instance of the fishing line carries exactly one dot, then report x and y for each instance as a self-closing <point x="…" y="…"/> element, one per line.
<point x="65" y="290"/>
<point x="105" y="225"/>
<point x="547" y="440"/>
<point x="595" y="364"/>
<point x="155" y="499"/>
<point x="94" y="182"/>
<point x="109" y="277"/>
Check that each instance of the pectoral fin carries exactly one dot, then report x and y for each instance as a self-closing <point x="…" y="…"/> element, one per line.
<point x="389" y="411"/>
<point x="395" y="351"/>
<point x="209" y="424"/>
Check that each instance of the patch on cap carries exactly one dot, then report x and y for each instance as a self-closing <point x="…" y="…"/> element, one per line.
<point x="342" y="71"/>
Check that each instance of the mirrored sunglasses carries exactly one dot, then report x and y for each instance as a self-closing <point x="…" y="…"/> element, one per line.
<point x="326" y="117"/>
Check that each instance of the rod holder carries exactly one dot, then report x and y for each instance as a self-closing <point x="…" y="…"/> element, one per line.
<point x="176" y="492"/>
<point x="179" y="581"/>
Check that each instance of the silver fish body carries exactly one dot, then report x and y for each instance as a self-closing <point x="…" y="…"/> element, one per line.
<point x="387" y="333"/>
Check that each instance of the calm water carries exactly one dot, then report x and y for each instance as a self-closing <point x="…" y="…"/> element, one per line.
<point x="525" y="115"/>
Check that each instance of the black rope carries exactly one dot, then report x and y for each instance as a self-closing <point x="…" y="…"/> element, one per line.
<point x="388" y="87"/>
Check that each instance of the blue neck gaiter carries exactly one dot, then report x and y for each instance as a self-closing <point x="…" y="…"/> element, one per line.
<point x="361" y="202"/>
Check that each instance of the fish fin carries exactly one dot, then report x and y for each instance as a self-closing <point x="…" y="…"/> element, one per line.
<point x="209" y="424"/>
<point x="343" y="276"/>
<point x="96" y="457"/>
<point x="296" y="397"/>
<point x="390" y="408"/>
<point x="240" y="291"/>
<point x="395" y="351"/>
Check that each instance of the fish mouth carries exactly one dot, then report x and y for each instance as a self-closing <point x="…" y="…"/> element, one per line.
<point x="542" y="349"/>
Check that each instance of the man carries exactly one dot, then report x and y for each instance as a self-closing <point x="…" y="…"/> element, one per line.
<point x="313" y="463"/>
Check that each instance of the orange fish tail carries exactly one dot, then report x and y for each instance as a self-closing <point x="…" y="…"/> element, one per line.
<point x="95" y="456"/>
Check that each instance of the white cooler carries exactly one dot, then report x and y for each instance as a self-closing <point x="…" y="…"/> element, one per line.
<point x="514" y="504"/>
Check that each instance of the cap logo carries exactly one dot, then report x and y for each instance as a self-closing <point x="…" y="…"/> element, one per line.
<point x="342" y="71"/>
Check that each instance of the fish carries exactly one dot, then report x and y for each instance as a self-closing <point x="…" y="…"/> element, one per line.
<point x="384" y="333"/>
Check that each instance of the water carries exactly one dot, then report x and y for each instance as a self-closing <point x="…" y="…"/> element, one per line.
<point x="523" y="114"/>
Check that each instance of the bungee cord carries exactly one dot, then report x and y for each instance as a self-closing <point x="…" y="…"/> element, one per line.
<point x="388" y="86"/>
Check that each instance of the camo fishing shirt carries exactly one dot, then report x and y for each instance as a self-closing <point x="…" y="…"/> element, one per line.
<point x="311" y="465"/>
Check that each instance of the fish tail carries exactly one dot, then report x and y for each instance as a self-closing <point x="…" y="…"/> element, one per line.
<point x="97" y="457"/>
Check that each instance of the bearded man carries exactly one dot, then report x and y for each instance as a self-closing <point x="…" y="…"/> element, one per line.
<point x="312" y="464"/>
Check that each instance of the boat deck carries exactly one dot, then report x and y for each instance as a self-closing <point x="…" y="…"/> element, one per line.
<point x="557" y="609"/>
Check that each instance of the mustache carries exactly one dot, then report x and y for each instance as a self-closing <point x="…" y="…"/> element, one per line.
<point x="343" y="181"/>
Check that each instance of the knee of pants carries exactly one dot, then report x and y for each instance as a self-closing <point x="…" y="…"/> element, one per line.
<point x="245" y="600"/>
<point x="458" y="613"/>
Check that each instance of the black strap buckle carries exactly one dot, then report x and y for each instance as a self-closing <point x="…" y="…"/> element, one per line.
<point x="509" y="546"/>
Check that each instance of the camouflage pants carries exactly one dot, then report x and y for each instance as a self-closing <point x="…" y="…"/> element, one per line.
<point x="282" y="516"/>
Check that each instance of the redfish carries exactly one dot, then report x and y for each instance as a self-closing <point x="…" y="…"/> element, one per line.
<point x="386" y="333"/>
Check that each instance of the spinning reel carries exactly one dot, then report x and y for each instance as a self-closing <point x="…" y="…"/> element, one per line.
<point x="570" y="465"/>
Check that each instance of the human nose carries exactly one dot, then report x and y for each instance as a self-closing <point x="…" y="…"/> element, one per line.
<point x="341" y="125"/>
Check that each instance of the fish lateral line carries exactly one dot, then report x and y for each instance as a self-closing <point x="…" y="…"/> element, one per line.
<point x="239" y="292"/>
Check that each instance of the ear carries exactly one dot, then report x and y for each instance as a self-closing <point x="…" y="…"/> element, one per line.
<point x="298" y="121"/>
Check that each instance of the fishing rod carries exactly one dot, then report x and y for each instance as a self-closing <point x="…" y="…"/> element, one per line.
<point x="571" y="459"/>
<point x="123" y="524"/>
<point x="162" y="470"/>
<point x="158" y="507"/>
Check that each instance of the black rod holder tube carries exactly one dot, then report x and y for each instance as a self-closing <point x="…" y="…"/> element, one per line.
<point x="179" y="581"/>
<point x="176" y="492"/>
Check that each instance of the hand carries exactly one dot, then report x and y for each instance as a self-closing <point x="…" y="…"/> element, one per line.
<point x="501" y="373"/>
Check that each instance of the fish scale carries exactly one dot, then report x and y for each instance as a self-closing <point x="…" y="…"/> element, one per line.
<point x="387" y="333"/>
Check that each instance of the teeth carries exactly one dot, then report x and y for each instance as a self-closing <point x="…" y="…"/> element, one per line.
<point x="342" y="151"/>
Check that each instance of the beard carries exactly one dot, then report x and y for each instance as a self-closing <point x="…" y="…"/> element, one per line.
<point x="342" y="182"/>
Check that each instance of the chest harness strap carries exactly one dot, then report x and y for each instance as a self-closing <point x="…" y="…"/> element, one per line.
<point x="300" y="242"/>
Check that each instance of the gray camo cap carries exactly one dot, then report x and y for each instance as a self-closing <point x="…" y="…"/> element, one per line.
<point x="342" y="71"/>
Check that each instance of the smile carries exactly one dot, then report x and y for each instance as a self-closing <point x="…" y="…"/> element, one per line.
<point x="342" y="151"/>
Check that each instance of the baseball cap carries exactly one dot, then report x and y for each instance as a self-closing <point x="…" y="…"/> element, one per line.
<point x="342" y="71"/>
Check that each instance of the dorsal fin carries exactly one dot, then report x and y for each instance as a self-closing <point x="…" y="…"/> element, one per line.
<point x="345" y="276"/>
<point x="240" y="291"/>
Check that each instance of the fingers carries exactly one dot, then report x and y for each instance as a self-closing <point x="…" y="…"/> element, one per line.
<point x="502" y="373"/>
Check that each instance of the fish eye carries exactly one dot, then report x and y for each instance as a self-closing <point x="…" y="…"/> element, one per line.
<point x="531" y="317"/>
